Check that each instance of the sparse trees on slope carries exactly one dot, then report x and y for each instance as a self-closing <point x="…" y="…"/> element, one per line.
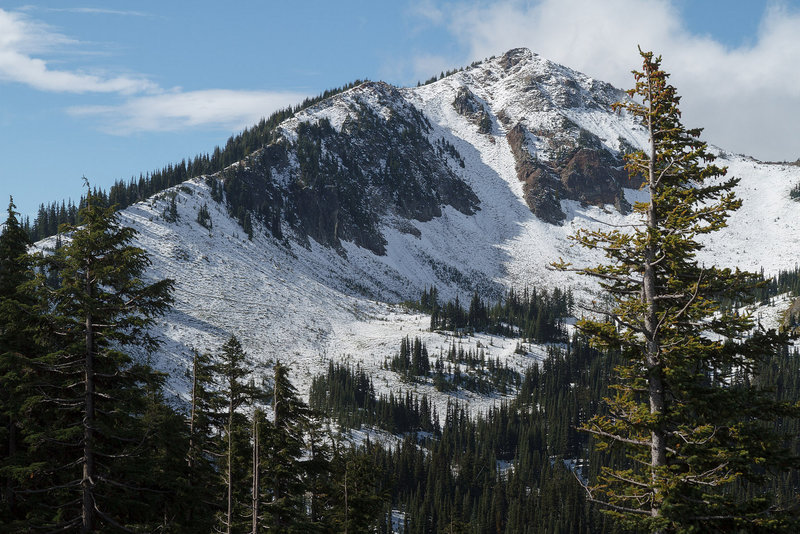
<point x="684" y="409"/>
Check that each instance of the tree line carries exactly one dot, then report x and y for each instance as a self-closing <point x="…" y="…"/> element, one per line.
<point x="532" y="314"/>
<point x="124" y="193"/>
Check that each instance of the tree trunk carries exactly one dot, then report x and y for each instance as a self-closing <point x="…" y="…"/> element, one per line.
<point x="276" y="487"/>
<point x="190" y="456"/>
<point x="87" y="481"/>
<point x="658" y="453"/>
<point x="230" y="466"/>
<point x="256" y="469"/>
<point x="190" y="459"/>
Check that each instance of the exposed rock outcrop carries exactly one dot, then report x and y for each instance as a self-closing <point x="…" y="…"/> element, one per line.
<point x="583" y="171"/>
<point x="467" y="104"/>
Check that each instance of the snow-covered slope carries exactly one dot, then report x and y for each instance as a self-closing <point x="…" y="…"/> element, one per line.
<point x="292" y="298"/>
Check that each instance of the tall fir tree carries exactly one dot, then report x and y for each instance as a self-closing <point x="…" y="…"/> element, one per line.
<point x="16" y="350"/>
<point x="232" y="369"/>
<point x="89" y="400"/>
<point x="684" y="410"/>
<point x="284" y="448"/>
<point x="205" y="416"/>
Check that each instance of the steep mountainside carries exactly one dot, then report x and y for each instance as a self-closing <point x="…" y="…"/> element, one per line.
<point x="470" y="183"/>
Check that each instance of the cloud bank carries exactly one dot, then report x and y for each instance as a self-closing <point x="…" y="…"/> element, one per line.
<point x="747" y="98"/>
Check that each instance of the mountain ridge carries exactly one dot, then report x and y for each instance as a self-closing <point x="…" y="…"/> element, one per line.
<point x="314" y="282"/>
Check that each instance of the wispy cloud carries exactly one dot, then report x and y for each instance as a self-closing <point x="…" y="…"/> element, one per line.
<point x="21" y="39"/>
<point x="427" y="10"/>
<point x="183" y="110"/>
<point x="86" y="10"/>
<point x="144" y="105"/>
<point x="747" y="97"/>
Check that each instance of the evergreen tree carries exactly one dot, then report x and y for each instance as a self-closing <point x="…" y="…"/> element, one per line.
<point x="684" y="408"/>
<point x="284" y="449"/>
<point x="16" y="349"/>
<point x="360" y="498"/>
<point x="89" y="400"/>
<point x="320" y="477"/>
<point x="420" y="362"/>
<point x="232" y="368"/>
<point x="160" y="468"/>
<point x="202" y="488"/>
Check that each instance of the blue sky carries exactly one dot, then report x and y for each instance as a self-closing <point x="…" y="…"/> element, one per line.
<point x="111" y="89"/>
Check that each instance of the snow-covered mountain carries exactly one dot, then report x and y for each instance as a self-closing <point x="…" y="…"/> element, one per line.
<point x="363" y="200"/>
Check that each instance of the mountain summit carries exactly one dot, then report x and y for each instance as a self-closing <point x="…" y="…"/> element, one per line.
<point x="471" y="183"/>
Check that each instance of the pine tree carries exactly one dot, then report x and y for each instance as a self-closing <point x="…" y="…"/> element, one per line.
<point x="16" y="349"/>
<point x="360" y="500"/>
<point x="284" y="449"/>
<point x="202" y="487"/>
<point x="684" y="411"/>
<point x="89" y="401"/>
<point x="160" y="467"/>
<point x="232" y="369"/>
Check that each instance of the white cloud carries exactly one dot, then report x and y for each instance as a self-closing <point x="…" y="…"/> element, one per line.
<point x="20" y="38"/>
<point x="747" y="98"/>
<point x="146" y="105"/>
<point x="87" y="11"/>
<point x="183" y="110"/>
<point x="427" y="10"/>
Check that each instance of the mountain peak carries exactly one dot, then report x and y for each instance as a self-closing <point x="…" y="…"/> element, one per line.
<point x="516" y="56"/>
<point x="470" y="184"/>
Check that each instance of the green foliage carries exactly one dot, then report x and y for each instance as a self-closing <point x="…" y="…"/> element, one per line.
<point x="16" y="353"/>
<point x="485" y="124"/>
<point x="445" y="147"/>
<point x="502" y="471"/>
<point x="412" y="360"/>
<point x="685" y="409"/>
<point x="170" y="213"/>
<point x="535" y="315"/>
<point x="204" y="217"/>
<point x="795" y="192"/>
<point x="473" y="371"/>
<point x="232" y="369"/>
<point x="442" y="74"/>
<point x="348" y="396"/>
<point x="201" y="489"/>
<point x="85" y="413"/>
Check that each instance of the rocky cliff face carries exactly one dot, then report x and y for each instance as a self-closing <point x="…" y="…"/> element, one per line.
<point x="556" y="158"/>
